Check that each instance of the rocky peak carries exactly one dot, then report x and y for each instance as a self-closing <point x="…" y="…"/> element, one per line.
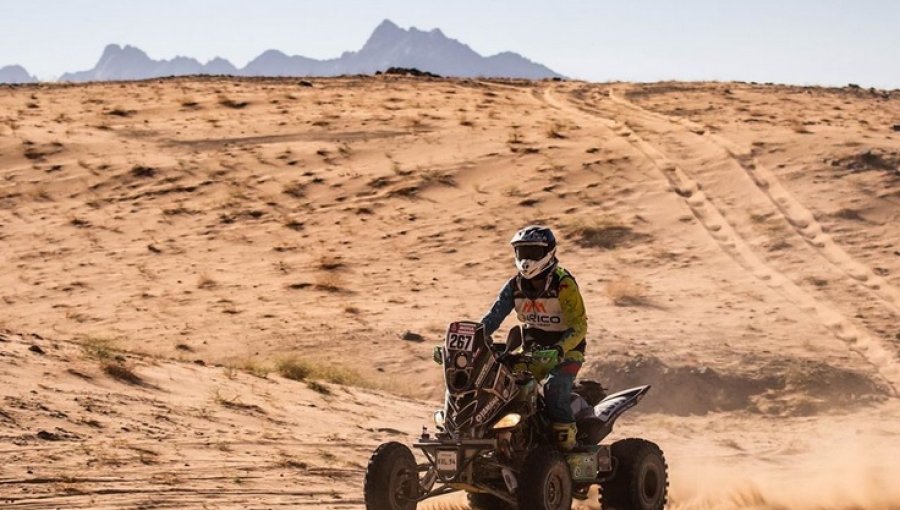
<point x="15" y="74"/>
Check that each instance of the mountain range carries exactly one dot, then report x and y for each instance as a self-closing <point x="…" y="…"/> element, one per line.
<point x="388" y="46"/>
<point x="15" y="74"/>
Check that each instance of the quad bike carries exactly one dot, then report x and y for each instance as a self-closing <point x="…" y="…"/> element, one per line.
<point x="493" y="441"/>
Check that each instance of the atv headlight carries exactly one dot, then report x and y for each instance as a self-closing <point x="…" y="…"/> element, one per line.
<point x="508" y="421"/>
<point x="439" y="419"/>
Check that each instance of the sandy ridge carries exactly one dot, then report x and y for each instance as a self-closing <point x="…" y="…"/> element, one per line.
<point x="869" y="347"/>
<point x="800" y="218"/>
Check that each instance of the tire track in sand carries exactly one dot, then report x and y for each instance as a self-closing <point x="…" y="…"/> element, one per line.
<point x="729" y="240"/>
<point x="797" y="216"/>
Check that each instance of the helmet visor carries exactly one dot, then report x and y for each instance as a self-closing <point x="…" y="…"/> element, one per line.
<point x="530" y="252"/>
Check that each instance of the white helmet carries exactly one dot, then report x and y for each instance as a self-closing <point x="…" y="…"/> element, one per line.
<point x="535" y="248"/>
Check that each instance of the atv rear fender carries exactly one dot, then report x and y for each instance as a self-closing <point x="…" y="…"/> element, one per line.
<point x="592" y="430"/>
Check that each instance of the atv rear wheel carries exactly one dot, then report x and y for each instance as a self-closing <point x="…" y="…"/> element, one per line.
<point x="484" y="501"/>
<point x="640" y="481"/>
<point x="544" y="481"/>
<point x="392" y="479"/>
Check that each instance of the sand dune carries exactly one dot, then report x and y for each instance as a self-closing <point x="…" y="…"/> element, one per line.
<point x="158" y="434"/>
<point x="736" y="244"/>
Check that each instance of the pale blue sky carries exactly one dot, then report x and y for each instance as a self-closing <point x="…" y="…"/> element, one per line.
<point x="828" y="42"/>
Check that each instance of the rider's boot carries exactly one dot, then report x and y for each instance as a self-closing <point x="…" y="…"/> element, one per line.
<point x="565" y="435"/>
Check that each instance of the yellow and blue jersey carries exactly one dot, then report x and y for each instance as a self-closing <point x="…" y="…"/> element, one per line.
<point x="556" y="311"/>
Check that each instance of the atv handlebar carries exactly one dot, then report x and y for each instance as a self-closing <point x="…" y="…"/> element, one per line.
<point x="546" y="358"/>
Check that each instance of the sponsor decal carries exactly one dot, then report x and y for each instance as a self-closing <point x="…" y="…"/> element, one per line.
<point x="462" y="327"/>
<point x="482" y="374"/>
<point x="501" y="386"/>
<point x="489" y="408"/>
<point x="534" y="318"/>
<point x="533" y="306"/>
<point x="535" y="312"/>
<point x="607" y="409"/>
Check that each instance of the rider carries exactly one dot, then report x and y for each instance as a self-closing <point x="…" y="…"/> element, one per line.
<point x="549" y="306"/>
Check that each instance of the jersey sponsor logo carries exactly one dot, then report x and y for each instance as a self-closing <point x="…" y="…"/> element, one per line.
<point x="535" y="312"/>
<point x="533" y="307"/>
<point x="534" y="318"/>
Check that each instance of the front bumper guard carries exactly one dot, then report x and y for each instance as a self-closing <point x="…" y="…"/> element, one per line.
<point x="467" y="450"/>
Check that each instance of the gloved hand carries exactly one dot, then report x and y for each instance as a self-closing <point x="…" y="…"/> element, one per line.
<point x="548" y="358"/>
<point x="438" y="354"/>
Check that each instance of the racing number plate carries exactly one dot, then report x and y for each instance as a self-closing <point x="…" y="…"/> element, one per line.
<point x="447" y="460"/>
<point x="459" y="342"/>
<point x="460" y="337"/>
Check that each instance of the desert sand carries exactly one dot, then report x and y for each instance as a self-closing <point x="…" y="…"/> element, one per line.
<point x="167" y="244"/>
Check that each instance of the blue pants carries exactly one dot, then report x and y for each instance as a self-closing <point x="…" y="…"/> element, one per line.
<point x="558" y="392"/>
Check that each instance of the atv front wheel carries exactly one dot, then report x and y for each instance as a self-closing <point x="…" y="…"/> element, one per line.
<point x="392" y="479"/>
<point x="544" y="481"/>
<point x="640" y="481"/>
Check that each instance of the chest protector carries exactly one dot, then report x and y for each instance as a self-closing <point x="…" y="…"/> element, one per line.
<point x="540" y="308"/>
